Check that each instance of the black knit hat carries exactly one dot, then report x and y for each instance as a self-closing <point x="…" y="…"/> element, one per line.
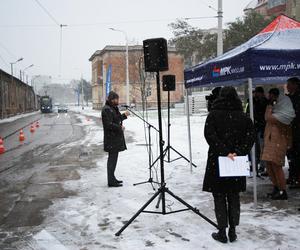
<point x="112" y="95"/>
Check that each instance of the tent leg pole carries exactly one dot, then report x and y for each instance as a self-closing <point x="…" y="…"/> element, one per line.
<point x="253" y="152"/>
<point x="187" y="110"/>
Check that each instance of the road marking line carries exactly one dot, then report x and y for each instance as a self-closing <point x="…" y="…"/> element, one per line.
<point x="48" y="242"/>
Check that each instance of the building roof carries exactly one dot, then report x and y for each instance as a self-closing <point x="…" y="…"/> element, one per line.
<point x="118" y="48"/>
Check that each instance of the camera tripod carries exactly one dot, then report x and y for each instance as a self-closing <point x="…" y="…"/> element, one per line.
<point x="163" y="190"/>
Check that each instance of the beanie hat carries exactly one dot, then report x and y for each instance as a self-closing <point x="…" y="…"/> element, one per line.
<point x="112" y="95"/>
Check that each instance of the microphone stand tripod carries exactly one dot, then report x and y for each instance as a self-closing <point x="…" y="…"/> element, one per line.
<point x="149" y="126"/>
<point x="163" y="190"/>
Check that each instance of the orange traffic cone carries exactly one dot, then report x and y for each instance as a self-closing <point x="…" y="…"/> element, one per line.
<point x="2" y="148"/>
<point x="37" y="125"/>
<point x="21" y="136"/>
<point x="32" y="128"/>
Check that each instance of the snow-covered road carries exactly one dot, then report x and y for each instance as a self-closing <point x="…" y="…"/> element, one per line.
<point x="90" y="219"/>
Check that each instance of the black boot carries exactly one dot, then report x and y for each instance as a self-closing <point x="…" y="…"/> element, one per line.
<point x="115" y="184"/>
<point x="232" y="234"/>
<point x="119" y="181"/>
<point x="281" y="195"/>
<point x="275" y="190"/>
<point x="220" y="236"/>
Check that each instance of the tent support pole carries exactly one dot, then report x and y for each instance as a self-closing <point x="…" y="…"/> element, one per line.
<point x="187" y="110"/>
<point x="253" y="153"/>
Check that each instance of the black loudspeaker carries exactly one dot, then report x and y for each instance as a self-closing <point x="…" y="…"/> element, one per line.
<point x="169" y="83"/>
<point x="155" y="55"/>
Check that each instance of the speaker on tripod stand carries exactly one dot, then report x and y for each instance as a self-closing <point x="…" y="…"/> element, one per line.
<point x="169" y="84"/>
<point x="156" y="60"/>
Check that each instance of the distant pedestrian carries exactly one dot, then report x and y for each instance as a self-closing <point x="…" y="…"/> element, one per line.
<point x="229" y="132"/>
<point x="114" y="140"/>
<point x="293" y="87"/>
<point x="277" y="139"/>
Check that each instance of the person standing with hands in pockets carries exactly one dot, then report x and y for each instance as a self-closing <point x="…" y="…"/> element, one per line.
<point x="114" y="140"/>
<point x="229" y="132"/>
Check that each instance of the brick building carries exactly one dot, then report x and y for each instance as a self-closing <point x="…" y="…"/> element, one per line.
<point x="138" y="79"/>
<point x="290" y="8"/>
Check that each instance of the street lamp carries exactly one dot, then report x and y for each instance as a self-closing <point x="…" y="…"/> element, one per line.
<point x="30" y="66"/>
<point x="11" y="65"/>
<point x="127" y="69"/>
<point x="12" y="77"/>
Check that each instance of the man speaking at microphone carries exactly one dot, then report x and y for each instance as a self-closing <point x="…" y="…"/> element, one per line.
<point x="114" y="141"/>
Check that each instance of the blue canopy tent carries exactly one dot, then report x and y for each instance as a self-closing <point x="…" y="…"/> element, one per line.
<point x="271" y="56"/>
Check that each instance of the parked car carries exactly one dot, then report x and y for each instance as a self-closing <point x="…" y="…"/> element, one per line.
<point x="62" y="108"/>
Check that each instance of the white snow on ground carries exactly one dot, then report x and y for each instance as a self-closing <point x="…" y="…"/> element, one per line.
<point x="89" y="220"/>
<point x="16" y="117"/>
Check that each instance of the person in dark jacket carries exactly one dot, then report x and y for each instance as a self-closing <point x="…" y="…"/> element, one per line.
<point x="212" y="97"/>
<point x="114" y="141"/>
<point x="229" y="132"/>
<point x="293" y="87"/>
<point x="260" y="103"/>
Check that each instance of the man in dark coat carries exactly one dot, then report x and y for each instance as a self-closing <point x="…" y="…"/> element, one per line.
<point x="293" y="87"/>
<point x="114" y="140"/>
<point x="229" y="132"/>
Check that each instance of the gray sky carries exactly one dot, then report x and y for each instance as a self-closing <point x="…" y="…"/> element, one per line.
<point x="27" y="31"/>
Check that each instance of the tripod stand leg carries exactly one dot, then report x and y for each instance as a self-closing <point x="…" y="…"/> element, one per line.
<point x="158" y="201"/>
<point x="195" y="210"/>
<point x="138" y="212"/>
<point x="182" y="156"/>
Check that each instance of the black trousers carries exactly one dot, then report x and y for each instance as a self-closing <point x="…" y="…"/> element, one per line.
<point x="227" y="209"/>
<point x="293" y="156"/>
<point x="111" y="167"/>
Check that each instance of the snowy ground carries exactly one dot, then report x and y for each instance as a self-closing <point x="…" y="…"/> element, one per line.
<point x="16" y="117"/>
<point x="90" y="219"/>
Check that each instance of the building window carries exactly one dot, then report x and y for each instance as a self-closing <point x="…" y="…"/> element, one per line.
<point x="274" y="3"/>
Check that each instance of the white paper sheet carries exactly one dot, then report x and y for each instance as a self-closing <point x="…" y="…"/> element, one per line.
<point x="239" y="167"/>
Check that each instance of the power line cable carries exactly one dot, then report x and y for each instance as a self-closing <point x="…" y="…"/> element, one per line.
<point x="8" y="51"/>
<point x="47" y="12"/>
<point x="74" y="25"/>
<point x="4" y="61"/>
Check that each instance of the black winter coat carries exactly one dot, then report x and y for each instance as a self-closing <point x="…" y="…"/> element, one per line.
<point x="227" y="130"/>
<point x="296" y="122"/>
<point x="112" y="119"/>
<point x="259" y="110"/>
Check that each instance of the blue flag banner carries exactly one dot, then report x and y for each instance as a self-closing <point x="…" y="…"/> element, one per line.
<point x="108" y="80"/>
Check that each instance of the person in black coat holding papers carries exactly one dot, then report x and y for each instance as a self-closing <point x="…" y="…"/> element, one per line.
<point x="229" y="132"/>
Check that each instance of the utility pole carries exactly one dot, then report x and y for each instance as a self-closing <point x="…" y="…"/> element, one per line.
<point x="60" y="45"/>
<point x="82" y="94"/>
<point x="103" y="84"/>
<point x="220" y="28"/>
<point x="12" y="77"/>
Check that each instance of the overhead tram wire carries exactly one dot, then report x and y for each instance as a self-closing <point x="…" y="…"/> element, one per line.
<point x="78" y="25"/>
<point x="61" y="26"/>
<point x="47" y="12"/>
